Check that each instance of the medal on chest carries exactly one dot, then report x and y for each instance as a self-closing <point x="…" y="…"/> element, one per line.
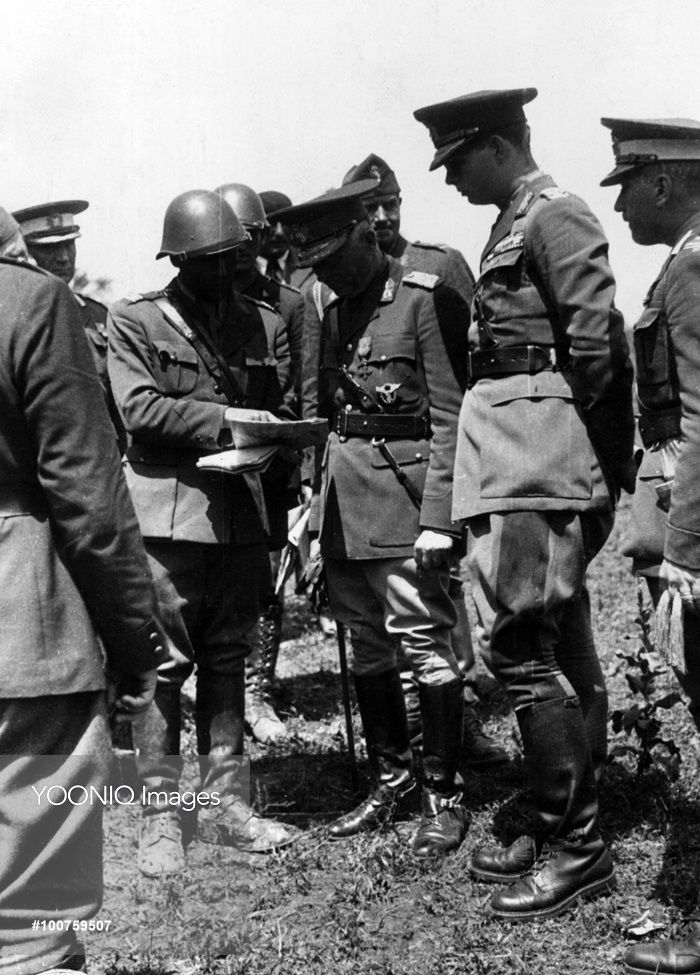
<point x="364" y="351"/>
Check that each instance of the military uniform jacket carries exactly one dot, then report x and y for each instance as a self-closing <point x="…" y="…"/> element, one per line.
<point x="173" y="411"/>
<point x="667" y="348"/>
<point x="289" y="305"/>
<point x="559" y="439"/>
<point x="394" y="341"/>
<point x="94" y="317"/>
<point x="73" y="565"/>
<point x="446" y="262"/>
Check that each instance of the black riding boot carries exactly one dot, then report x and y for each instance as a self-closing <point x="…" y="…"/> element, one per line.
<point x="444" y="820"/>
<point x="572" y="860"/>
<point x="380" y="699"/>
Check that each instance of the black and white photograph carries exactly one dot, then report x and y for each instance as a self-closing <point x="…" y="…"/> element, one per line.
<point x="350" y="487"/>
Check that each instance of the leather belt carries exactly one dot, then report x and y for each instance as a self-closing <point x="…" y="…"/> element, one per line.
<point x="381" y="425"/>
<point x="510" y="359"/>
<point x="22" y="498"/>
<point x="660" y="425"/>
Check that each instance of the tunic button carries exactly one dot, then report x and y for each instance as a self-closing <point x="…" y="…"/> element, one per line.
<point x="158" y="649"/>
<point x="153" y="636"/>
<point x="419" y="456"/>
<point x="217" y="389"/>
<point x="348" y="347"/>
<point x="383" y="358"/>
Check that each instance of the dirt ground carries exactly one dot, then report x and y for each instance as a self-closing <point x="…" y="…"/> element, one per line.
<point x="364" y="905"/>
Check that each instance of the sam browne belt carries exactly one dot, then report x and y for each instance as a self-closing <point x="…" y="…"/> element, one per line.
<point x="511" y="359"/>
<point x="381" y="425"/>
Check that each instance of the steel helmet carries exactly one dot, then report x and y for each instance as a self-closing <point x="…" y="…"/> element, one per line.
<point x="198" y="223"/>
<point x="245" y="203"/>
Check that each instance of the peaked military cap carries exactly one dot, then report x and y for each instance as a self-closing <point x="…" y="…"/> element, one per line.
<point x="459" y="121"/>
<point x="376" y="168"/>
<point x="320" y="227"/>
<point x="638" y="142"/>
<point x="273" y="200"/>
<point x="50" y="223"/>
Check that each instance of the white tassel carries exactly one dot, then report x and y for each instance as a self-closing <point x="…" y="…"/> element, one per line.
<point x="661" y="626"/>
<point x="676" y="650"/>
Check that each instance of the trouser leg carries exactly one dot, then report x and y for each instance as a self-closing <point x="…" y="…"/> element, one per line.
<point x="51" y="852"/>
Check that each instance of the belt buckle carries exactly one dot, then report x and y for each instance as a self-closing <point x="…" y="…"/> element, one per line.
<point x="377" y="442"/>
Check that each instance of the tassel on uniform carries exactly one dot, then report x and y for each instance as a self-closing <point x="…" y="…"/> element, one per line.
<point x="661" y="626"/>
<point x="667" y="630"/>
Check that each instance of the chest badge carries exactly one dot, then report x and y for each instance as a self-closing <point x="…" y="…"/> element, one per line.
<point x="386" y="393"/>
<point x="364" y="351"/>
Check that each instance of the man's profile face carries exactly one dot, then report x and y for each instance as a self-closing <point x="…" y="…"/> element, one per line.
<point x="58" y="259"/>
<point x="346" y="270"/>
<point x="635" y="202"/>
<point x="472" y="172"/>
<point x="384" y="215"/>
<point x="209" y="277"/>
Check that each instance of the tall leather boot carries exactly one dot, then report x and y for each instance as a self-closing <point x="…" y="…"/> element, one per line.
<point x="219" y="716"/>
<point x="678" y="957"/>
<point x="156" y="734"/>
<point x="264" y="723"/>
<point x="380" y="699"/>
<point x="572" y="860"/>
<point x="444" y="820"/>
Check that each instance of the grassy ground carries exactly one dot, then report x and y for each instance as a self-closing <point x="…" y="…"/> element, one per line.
<point x="365" y="906"/>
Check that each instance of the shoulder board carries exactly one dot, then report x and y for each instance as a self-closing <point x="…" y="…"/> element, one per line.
<point x="259" y="303"/>
<point x="421" y="279"/>
<point x="692" y="244"/>
<point x="553" y="193"/>
<point x="512" y="242"/>
<point x="288" y="287"/>
<point x="146" y="296"/>
<point x="431" y="247"/>
<point x="13" y="262"/>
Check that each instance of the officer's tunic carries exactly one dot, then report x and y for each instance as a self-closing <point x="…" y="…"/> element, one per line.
<point x="666" y="522"/>
<point x="74" y="582"/>
<point x="394" y="341"/>
<point x="94" y="317"/>
<point x="539" y="454"/>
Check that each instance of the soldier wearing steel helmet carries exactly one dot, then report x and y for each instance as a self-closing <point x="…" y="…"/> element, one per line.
<point x="284" y="339"/>
<point x="184" y="363"/>
<point x="545" y="444"/>
<point x="657" y="176"/>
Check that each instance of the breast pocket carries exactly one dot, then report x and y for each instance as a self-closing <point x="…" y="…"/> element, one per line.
<point x="394" y="360"/>
<point x="176" y="368"/>
<point x="537" y="445"/>
<point x="654" y="360"/>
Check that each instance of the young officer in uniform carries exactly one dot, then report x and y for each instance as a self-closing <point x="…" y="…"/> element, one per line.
<point x="74" y="587"/>
<point x="184" y="363"/>
<point x="50" y="233"/>
<point x="383" y="205"/>
<point x="545" y="440"/>
<point x="658" y="173"/>
<point x="390" y="393"/>
<point x="280" y="480"/>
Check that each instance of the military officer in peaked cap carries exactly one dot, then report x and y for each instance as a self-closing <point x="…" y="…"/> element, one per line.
<point x="657" y="175"/>
<point x="545" y="442"/>
<point x="50" y="231"/>
<point x="383" y="205"/>
<point x="390" y="393"/>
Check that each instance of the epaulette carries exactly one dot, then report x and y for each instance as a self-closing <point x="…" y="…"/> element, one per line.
<point x="692" y="244"/>
<point x="553" y="193"/>
<point x="289" y="287"/>
<point x="259" y="303"/>
<point x="431" y="247"/>
<point x="146" y="296"/>
<point x="421" y="279"/>
<point x="14" y="262"/>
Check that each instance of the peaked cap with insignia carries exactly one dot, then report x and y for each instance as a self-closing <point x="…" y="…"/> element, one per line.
<point x="50" y="223"/>
<point x="374" y="167"/>
<point x="459" y="121"/>
<point x="320" y="227"/>
<point x="638" y="142"/>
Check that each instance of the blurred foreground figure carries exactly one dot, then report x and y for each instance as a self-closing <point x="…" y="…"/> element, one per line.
<point x="74" y="580"/>
<point x="658" y="173"/>
<point x="11" y="239"/>
<point x="185" y="363"/>
<point x="388" y="388"/>
<point x="544" y="444"/>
